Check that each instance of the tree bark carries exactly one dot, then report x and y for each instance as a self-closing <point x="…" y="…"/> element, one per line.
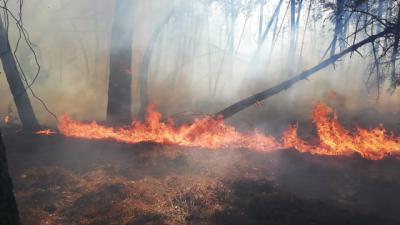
<point x="8" y="204"/>
<point x="21" y="99"/>
<point x="239" y="106"/>
<point x="119" y="87"/>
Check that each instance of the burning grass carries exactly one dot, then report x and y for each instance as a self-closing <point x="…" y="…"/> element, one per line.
<point x="212" y="133"/>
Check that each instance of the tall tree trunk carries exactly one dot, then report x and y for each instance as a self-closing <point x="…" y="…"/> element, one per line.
<point x="293" y="29"/>
<point x="144" y="68"/>
<point x="269" y="25"/>
<point x="21" y="98"/>
<point x="119" y="87"/>
<point x="394" y="76"/>
<point x="8" y="204"/>
<point x="338" y="25"/>
<point x="239" y="106"/>
<point x="380" y="14"/>
<point x="261" y="21"/>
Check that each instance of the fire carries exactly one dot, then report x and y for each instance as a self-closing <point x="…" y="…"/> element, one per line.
<point x="334" y="139"/>
<point x="212" y="133"/>
<point x="47" y="132"/>
<point x="206" y="132"/>
<point x="6" y="120"/>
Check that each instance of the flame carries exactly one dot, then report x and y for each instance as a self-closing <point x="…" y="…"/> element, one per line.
<point x="205" y="132"/>
<point x="47" y="132"/>
<point x="334" y="139"/>
<point x="212" y="133"/>
<point x="6" y="120"/>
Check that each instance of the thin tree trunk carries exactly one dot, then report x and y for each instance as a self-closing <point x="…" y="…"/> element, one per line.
<point x="8" y="204"/>
<point x="394" y="77"/>
<point x="300" y="8"/>
<point x="305" y="29"/>
<point x="269" y="25"/>
<point x="293" y="29"/>
<point x="380" y="14"/>
<point x="21" y="98"/>
<point x="338" y="25"/>
<point x="119" y="89"/>
<point x="239" y="106"/>
<point x="144" y="68"/>
<point x="261" y="21"/>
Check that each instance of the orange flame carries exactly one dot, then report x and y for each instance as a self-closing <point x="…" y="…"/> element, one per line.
<point x="47" y="132"/>
<point x="6" y="120"/>
<point x="206" y="132"/>
<point x="211" y="133"/>
<point x="334" y="139"/>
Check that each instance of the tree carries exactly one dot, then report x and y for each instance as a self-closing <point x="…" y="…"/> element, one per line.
<point x="18" y="90"/>
<point x="8" y="204"/>
<point x="239" y="106"/>
<point x="119" y="87"/>
<point x="339" y="25"/>
<point x="144" y="68"/>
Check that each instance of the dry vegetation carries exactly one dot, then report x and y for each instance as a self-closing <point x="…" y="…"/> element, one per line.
<point x="69" y="181"/>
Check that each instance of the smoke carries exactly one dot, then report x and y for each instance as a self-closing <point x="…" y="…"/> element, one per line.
<point x="203" y="60"/>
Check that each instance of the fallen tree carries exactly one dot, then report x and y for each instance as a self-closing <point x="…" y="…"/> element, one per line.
<point x="249" y="101"/>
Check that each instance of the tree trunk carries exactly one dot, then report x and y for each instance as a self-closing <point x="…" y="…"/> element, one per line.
<point x="338" y="25"/>
<point x="380" y="14"/>
<point x="261" y="21"/>
<point x="8" y="204"/>
<point x="394" y="76"/>
<point x="144" y="68"/>
<point x="239" y="106"/>
<point x="269" y="25"/>
<point x="293" y="29"/>
<point x="119" y="87"/>
<point x="21" y="98"/>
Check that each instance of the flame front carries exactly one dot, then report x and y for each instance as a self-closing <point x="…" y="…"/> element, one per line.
<point x="211" y="133"/>
<point x="334" y="139"/>
<point x="206" y="132"/>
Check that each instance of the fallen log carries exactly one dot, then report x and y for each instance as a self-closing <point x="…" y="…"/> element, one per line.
<point x="241" y="105"/>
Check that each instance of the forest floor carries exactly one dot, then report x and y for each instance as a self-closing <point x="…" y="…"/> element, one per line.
<point x="61" y="180"/>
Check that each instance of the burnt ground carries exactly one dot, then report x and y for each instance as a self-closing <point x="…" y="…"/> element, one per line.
<point x="70" y="181"/>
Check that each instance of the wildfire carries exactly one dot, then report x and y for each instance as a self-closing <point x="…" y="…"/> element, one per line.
<point x="206" y="132"/>
<point x="334" y="139"/>
<point x="212" y="133"/>
<point x="47" y="132"/>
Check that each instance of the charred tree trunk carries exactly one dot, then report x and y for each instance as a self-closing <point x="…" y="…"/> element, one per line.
<point x="8" y="204"/>
<point x="18" y="90"/>
<point x="119" y="87"/>
<point x="239" y="106"/>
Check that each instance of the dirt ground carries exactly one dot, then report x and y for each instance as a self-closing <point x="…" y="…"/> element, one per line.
<point x="70" y="181"/>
